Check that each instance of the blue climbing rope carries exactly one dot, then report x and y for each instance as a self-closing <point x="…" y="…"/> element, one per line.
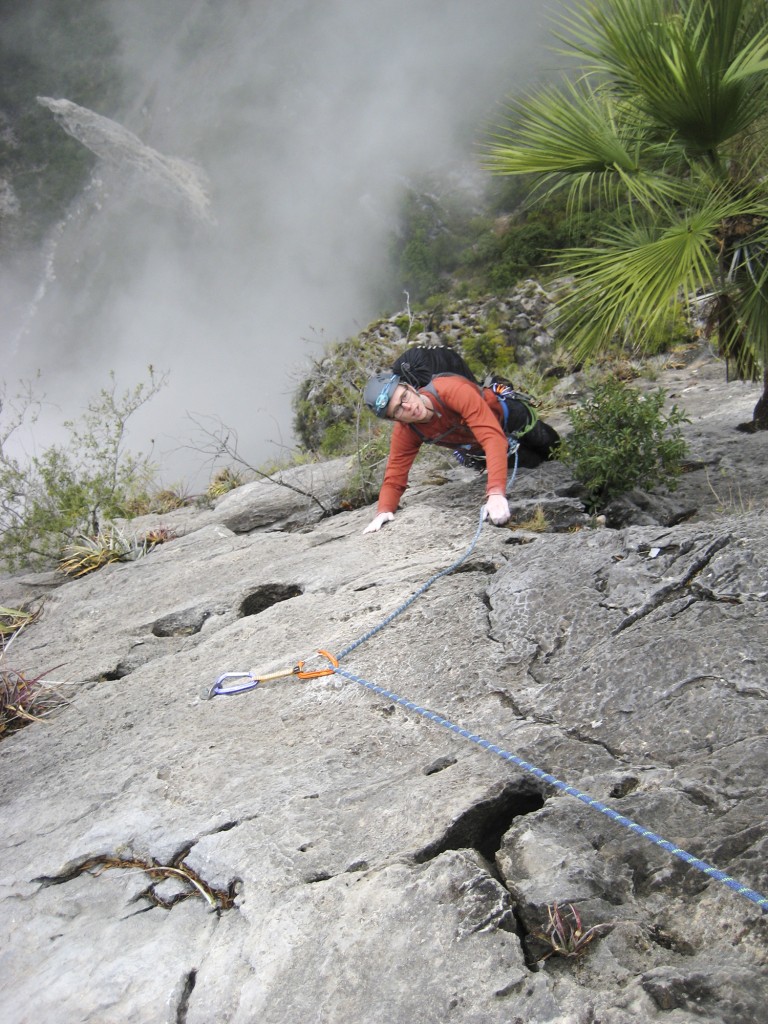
<point x="422" y="589"/>
<point x="253" y="681"/>
<point x="598" y="805"/>
<point x="514" y="447"/>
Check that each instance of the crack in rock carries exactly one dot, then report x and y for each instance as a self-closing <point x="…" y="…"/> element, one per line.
<point x="580" y="737"/>
<point x="187" y="988"/>
<point x="624" y="787"/>
<point x="440" y="765"/>
<point x="192" y="884"/>
<point x="263" y="597"/>
<point x="675" y="586"/>
<point x="712" y="681"/>
<point x="486" y="567"/>
<point x="483" y="825"/>
<point x="182" y="623"/>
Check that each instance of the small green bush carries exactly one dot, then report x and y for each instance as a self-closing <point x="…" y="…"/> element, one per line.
<point x="366" y="478"/>
<point x="485" y="351"/>
<point x="74" y="489"/>
<point x="338" y="439"/>
<point x="407" y="326"/>
<point x="621" y="439"/>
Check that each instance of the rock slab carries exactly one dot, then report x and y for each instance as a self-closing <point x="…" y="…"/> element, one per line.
<point x="320" y="849"/>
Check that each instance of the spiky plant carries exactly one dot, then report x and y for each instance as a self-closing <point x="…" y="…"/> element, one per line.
<point x="169" y="499"/>
<point x="24" y="699"/>
<point x="13" y="619"/>
<point x="565" y="933"/>
<point x="91" y="553"/>
<point x="152" y="538"/>
<point x="225" y="480"/>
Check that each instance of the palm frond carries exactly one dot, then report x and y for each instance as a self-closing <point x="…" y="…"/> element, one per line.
<point x="634" y="278"/>
<point x="666" y="121"/>
<point x="697" y="69"/>
<point x="568" y="130"/>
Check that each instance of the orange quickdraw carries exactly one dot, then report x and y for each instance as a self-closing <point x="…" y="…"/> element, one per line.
<point x="303" y="674"/>
<point x="253" y="680"/>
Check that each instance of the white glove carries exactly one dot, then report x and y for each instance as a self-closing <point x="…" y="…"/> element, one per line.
<point x="378" y="522"/>
<point x="497" y="508"/>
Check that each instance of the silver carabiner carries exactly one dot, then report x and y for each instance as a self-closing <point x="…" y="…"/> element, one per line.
<point x="217" y="690"/>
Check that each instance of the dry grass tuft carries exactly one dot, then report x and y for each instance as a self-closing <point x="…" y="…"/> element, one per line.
<point x="14" y="619"/>
<point x="537" y="523"/>
<point x="224" y="481"/>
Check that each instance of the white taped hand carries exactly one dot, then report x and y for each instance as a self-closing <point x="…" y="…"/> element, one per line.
<point x="497" y="509"/>
<point x="378" y="522"/>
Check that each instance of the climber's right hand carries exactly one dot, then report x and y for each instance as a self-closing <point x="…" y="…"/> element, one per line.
<point x="496" y="509"/>
<point x="377" y="523"/>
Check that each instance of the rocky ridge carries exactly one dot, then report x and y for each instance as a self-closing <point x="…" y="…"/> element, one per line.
<point x="315" y="850"/>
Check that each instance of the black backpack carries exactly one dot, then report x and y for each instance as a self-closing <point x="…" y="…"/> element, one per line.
<point x="419" y="364"/>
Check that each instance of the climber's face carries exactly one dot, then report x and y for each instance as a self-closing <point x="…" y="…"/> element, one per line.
<point x="408" y="406"/>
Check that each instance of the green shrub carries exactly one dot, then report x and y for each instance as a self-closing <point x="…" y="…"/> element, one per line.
<point x="485" y="351"/>
<point x="328" y="401"/>
<point x="621" y="439"/>
<point x="407" y="326"/>
<point x="338" y="439"/>
<point x="70" y="490"/>
<point x="436" y="228"/>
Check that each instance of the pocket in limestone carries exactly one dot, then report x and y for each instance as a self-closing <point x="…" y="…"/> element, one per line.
<point x="263" y="597"/>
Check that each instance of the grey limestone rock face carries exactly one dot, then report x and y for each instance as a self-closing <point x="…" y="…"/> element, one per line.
<point x="294" y="497"/>
<point x="335" y="849"/>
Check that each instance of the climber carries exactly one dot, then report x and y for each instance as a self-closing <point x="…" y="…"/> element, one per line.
<point x="483" y="425"/>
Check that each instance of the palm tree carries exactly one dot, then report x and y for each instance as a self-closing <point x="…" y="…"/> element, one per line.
<point x="664" y="123"/>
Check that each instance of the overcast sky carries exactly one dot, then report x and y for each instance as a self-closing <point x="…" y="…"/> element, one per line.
<point x="307" y="116"/>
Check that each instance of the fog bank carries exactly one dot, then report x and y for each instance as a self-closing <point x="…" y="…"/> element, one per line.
<point x="307" y="117"/>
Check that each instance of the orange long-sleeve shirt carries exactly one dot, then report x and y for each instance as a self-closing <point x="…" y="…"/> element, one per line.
<point x="465" y="414"/>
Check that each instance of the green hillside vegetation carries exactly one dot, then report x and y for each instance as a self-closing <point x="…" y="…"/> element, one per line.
<point x="454" y="245"/>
